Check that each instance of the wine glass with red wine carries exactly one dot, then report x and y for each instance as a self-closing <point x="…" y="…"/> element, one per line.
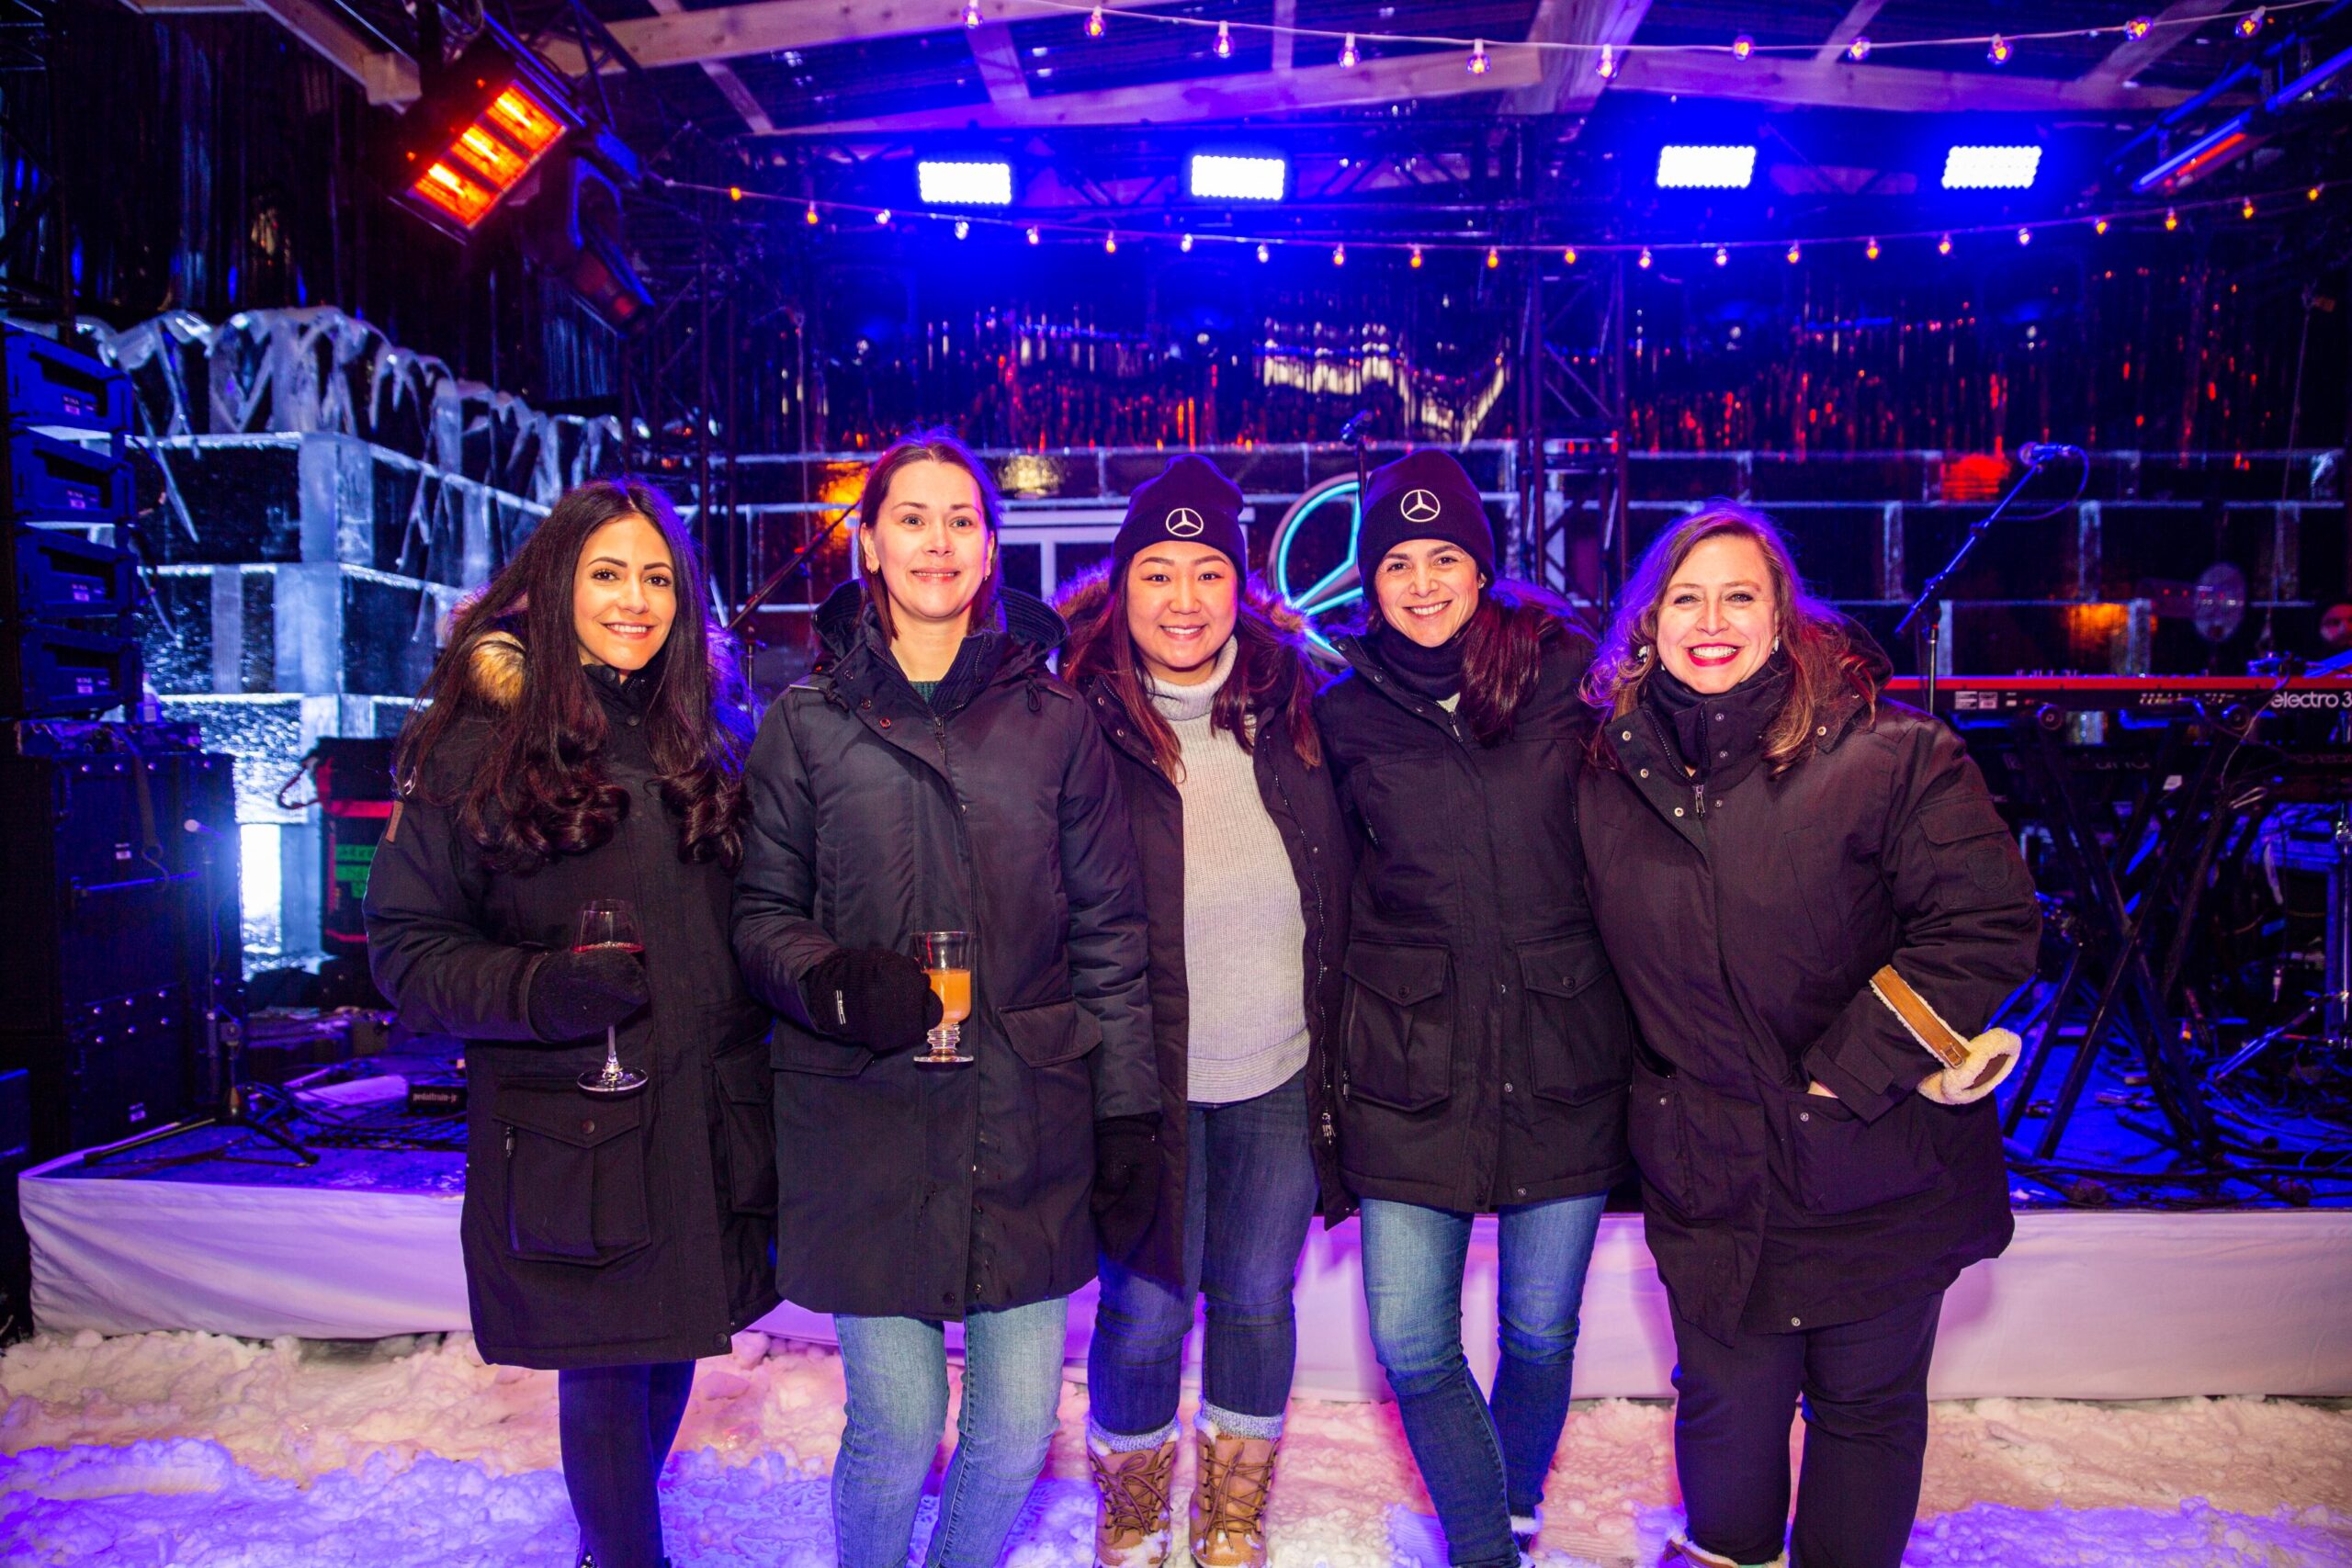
<point x="610" y="923"/>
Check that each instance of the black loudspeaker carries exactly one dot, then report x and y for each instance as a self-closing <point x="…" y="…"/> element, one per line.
<point x="121" y="924"/>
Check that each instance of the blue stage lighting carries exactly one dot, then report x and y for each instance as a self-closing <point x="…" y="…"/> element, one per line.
<point x="971" y="182"/>
<point x="1991" y="168"/>
<point x="1231" y="176"/>
<point x="1705" y="168"/>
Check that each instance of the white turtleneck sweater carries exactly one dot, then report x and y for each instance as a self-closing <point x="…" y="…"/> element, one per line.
<point x="1245" y="936"/>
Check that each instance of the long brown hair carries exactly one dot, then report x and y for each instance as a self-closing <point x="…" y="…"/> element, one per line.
<point x="538" y="788"/>
<point x="1823" y="659"/>
<point x="1503" y="654"/>
<point x="1272" y="676"/>
<point x="934" y="445"/>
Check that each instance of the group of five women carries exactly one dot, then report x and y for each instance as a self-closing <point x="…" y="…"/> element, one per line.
<point x="1488" y="921"/>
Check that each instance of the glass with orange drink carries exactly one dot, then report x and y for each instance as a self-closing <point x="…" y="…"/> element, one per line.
<point x="947" y="958"/>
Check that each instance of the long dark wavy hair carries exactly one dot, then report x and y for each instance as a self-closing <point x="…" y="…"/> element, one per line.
<point x="935" y="446"/>
<point x="1272" y="680"/>
<point x="1823" y="659"/>
<point x="538" y="788"/>
<point x="1502" y="653"/>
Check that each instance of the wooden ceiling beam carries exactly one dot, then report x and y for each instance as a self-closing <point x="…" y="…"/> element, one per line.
<point x="1843" y="84"/>
<point x="1569" y="85"/>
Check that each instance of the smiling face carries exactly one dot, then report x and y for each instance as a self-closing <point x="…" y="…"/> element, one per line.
<point x="1716" y="623"/>
<point x="624" y="594"/>
<point x="2336" y="626"/>
<point x="1182" y="599"/>
<point x="929" y="546"/>
<point x="1426" y="588"/>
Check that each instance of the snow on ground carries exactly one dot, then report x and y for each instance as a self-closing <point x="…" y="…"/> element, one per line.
<point x="175" y="1451"/>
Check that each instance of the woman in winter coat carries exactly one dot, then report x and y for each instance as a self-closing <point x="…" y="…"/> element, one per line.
<point x="1769" y="841"/>
<point x="1204" y="695"/>
<point x="931" y="775"/>
<point x="583" y="743"/>
<point x="1485" y="1046"/>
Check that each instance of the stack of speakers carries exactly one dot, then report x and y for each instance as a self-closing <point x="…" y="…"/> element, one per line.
<point x="120" y="917"/>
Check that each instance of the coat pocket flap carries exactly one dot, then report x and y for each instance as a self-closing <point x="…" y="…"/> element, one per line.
<point x="1562" y="966"/>
<point x="745" y="1077"/>
<point x="1956" y="821"/>
<point x="795" y="1050"/>
<point x="1049" y="1032"/>
<point x="555" y="1108"/>
<point x="1402" y="972"/>
<point x="737" y="1022"/>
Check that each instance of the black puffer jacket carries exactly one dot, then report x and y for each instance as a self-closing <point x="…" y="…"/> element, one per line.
<point x="1745" y="920"/>
<point x="927" y="1191"/>
<point x="1484" y="1044"/>
<point x="1306" y="812"/>
<point x="596" y="1232"/>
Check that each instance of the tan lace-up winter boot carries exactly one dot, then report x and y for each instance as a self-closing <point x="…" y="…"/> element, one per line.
<point x="1229" y="1517"/>
<point x="1131" y="1514"/>
<point x="1680" y="1550"/>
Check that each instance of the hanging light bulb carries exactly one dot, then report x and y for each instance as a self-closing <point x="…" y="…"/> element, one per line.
<point x="1642" y="261"/>
<point x="1569" y="256"/>
<point x="971" y="13"/>
<point x="1348" y="52"/>
<point x="809" y="216"/>
<point x="2251" y="23"/>
<point x="1494" y="257"/>
<point x="1860" y="49"/>
<point x="2137" y="27"/>
<point x="2245" y="209"/>
<point x="2000" y="51"/>
<point x="1224" y="40"/>
<point x="1110" y="244"/>
<point x="2025" y="235"/>
<point x="883" y="218"/>
<point x="963" y="229"/>
<point x="1033" y="236"/>
<point x="1339" y="256"/>
<point x="2098" y="226"/>
<point x="1793" y="254"/>
<point x="734" y="193"/>
<point x="1478" y="57"/>
<point x="1742" y="47"/>
<point x="1723" y="257"/>
<point x="1943" y="246"/>
<point x="1606" y="66"/>
<point x="1871" y="250"/>
<point x="1185" y="244"/>
<point x="1094" y="22"/>
<point x="2311" y="195"/>
<point x="2172" y="220"/>
<point x="1414" y="261"/>
<point x="1263" y="254"/>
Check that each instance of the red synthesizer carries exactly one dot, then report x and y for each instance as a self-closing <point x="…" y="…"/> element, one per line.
<point x="2129" y="693"/>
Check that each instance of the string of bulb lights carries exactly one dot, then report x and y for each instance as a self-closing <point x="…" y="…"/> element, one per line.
<point x="1608" y="59"/>
<point x="2248" y="207"/>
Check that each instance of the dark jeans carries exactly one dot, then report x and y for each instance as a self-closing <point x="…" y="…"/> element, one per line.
<point x="1865" y="1391"/>
<point x="617" y="1424"/>
<point x="1248" y="1196"/>
<point x="1483" y="1461"/>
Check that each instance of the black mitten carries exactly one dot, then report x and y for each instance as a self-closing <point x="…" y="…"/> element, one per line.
<point x="576" y="994"/>
<point x="1127" y="1182"/>
<point x="871" y="997"/>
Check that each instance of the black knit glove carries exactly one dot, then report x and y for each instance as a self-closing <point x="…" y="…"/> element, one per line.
<point x="577" y="994"/>
<point x="1127" y="1182"/>
<point x="871" y="997"/>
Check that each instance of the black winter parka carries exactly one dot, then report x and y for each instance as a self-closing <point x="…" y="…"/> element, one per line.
<point x="1484" y="1044"/>
<point x="596" y="1232"/>
<point x="933" y="1192"/>
<point x="1745" y="920"/>
<point x="1306" y="813"/>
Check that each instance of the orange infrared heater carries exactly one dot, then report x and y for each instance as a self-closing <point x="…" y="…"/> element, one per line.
<point x="490" y="118"/>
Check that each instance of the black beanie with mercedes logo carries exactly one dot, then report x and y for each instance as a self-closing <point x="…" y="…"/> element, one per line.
<point x="1188" y="500"/>
<point x="1422" y="495"/>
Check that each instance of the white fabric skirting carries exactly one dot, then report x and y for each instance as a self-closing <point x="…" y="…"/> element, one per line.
<point x="2128" y="1305"/>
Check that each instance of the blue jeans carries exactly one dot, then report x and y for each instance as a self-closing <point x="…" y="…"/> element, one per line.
<point x="1483" y="1461"/>
<point x="896" y="1368"/>
<point x="1248" y="1196"/>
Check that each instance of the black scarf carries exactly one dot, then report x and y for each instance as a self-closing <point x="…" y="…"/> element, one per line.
<point x="1719" y="738"/>
<point x="1432" y="672"/>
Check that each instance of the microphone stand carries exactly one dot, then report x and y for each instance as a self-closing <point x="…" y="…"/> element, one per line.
<point x="1352" y="433"/>
<point x="1976" y="530"/>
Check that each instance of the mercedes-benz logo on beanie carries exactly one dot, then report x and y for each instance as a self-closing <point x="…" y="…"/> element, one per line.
<point x="1190" y="500"/>
<point x="1422" y="495"/>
